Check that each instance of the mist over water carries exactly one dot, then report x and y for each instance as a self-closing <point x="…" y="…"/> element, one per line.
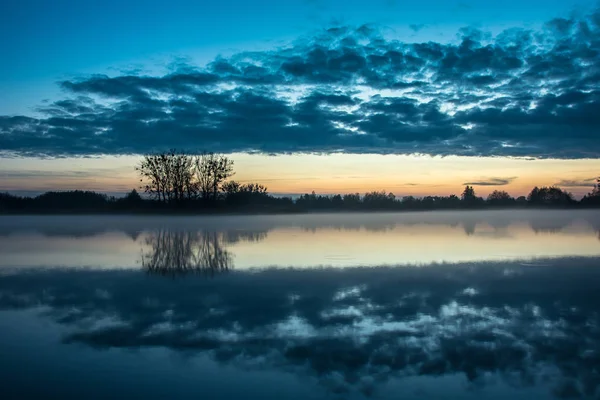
<point x="302" y="241"/>
<point x="492" y="304"/>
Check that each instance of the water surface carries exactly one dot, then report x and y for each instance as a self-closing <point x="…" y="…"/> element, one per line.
<point x="394" y="305"/>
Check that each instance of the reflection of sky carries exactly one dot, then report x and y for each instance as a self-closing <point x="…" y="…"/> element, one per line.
<point x="503" y="304"/>
<point x="307" y="240"/>
<point x="456" y="331"/>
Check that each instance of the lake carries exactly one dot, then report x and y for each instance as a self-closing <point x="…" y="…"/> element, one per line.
<point x="444" y="305"/>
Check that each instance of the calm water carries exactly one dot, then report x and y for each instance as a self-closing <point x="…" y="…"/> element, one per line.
<point x="445" y="305"/>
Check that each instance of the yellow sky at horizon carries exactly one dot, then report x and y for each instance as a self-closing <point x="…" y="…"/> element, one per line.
<point x="327" y="174"/>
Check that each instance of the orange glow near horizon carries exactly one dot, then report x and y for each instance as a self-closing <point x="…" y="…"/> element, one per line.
<point x="334" y="173"/>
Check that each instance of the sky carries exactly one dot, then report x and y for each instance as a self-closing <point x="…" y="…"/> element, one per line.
<point x="414" y="97"/>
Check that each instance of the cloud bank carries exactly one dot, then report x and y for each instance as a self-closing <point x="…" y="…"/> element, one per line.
<point x="524" y="93"/>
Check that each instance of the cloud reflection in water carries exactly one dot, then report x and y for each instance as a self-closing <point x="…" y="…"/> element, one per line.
<point x="352" y="330"/>
<point x="480" y="297"/>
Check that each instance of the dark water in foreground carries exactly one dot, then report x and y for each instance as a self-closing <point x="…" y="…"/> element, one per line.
<point x="490" y="305"/>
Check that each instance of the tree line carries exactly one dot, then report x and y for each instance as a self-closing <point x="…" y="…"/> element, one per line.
<point x="175" y="181"/>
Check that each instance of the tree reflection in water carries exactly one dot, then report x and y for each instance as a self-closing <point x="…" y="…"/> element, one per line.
<point x="174" y="253"/>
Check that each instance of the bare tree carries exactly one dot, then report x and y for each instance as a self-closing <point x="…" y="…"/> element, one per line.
<point x="254" y="188"/>
<point x="211" y="171"/>
<point x="152" y="176"/>
<point x="168" y="177"/>
<point x="231" y="188"/>
<point x="182" y="174"/>
<point x="174" y="177"/>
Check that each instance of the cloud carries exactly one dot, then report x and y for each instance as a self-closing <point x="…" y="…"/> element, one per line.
<point x="521" y="93"/>
<point x="36" y="173"/>
<point x="590" y="182"/>
<point x="416" y="27"/>
<point x="492" y="181"/>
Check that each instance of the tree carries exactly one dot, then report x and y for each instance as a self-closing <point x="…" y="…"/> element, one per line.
<point x="211" y="171"/>
<point x="596" y="190"/>
<point x="549" y="196"/>
<point x="168" y="177"/>
<point x="75" y="200"/>
<point x="452" y="201"/>
<point x="133" y="196"/>
<point x="592" y="198"/>
<point x="337" y="202"/>
<point x="174" y="177"/>
<point x="409" y="202"/>
<point x="231" y="188"/>
<point x="351" y="200"/>
<point x="131" y="200"/>
<point x="379" y="200"/>
<point x="253" y="188"/>
<point x="500" y="198"/>
<point x="534" y="196"/>
<point x="468" y="194"/>
<point x="237" y="194"/>
<point x="469" y="198"/>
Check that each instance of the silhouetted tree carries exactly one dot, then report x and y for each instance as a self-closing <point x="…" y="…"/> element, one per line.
<point x="453" y="201"/>
<point x="351" y="201"/>
<point x="238" y="194"/>
<point x="133" y="197"/>
<point x="71" y="200"/>
<point x="211" y="171"/>
<point x="469" y="198"/>
<point x="131" y="201"/>
<point x="468" y="194"/>
<point x="337" y="202"/>
<point x="12" y="203"/>
<point x="596" y="190"/>
<point x="549" y="196"/>
<point x="409" y="202"/>
<point x="231" y="188"/>
<point x="592" y="198"/>
<point x="254" y="188"/>
<point x="168" y="177"/>
<point x="379" y="200"/>
<point x="500" y="198"/>
<point x="534" y="196"/>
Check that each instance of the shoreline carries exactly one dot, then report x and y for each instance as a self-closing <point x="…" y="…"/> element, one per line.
<point x="183" y="213"/>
